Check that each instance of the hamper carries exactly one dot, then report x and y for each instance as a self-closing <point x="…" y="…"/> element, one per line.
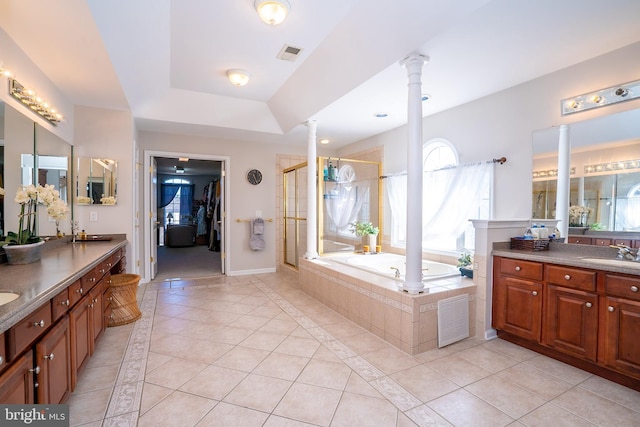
<point x="124" y="305"/>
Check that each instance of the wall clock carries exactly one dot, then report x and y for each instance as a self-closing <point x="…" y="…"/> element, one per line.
<point x="254" y="176"/>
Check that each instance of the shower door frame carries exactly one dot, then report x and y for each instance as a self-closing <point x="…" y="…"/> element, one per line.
<point x="296" y="218"/>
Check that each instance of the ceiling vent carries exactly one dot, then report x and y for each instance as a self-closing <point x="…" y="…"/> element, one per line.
<point x="289" y="53"/>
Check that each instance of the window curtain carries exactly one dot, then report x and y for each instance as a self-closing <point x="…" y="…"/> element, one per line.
<point x="396" y="186"/>
<point x="186" y="200"/>
<point x="344" y="201"/>
<point x="168" y="193"/>
<point x="451" y="197"/>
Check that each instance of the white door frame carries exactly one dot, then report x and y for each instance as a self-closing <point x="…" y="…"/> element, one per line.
<point x="148" y="155"/>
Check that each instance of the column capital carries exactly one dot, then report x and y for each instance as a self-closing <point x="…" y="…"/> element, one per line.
<point x="415" y="59"/>
<point x="311" y="123"/>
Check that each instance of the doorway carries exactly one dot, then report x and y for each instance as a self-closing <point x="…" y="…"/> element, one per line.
<point x="186" y="232"/>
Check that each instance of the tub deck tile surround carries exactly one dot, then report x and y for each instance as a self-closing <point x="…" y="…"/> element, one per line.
<point x="409" y="322"/>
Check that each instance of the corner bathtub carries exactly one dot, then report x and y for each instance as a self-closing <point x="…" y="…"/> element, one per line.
<point x="385" y="265"/>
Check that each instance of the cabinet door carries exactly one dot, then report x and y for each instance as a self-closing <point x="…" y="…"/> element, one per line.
<point x="571" y="322"/>
<point x="519" y="307"/>
<point x="17" y="383"/>
<point x="622" y="329"/>
<point x="81" y="338"/>
<point x="54" y="358"/>
<point x="96" y="312"/>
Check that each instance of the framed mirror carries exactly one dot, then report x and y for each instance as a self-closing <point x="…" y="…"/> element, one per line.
<point x="605" y="172"/>
<point x="97" y="181"/>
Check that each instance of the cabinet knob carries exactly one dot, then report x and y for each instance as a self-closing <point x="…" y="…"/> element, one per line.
<point x="80" y="291"/>
<point x="102" y="270"/>
<point x="35" y="370"/>
<point x="534" y="293"/>
<point x="567" y="277"/>
<point x="65" y="302"/>
<point x="518" y="268"/>
<point x="589" y="305"/>
<point x="49" y="357"/>
<point x="634" y="289"/>
<point x="1" y="360"/>
<point x="40" y="323"/>
<point x="611" y="309"/>
<point x="93" y="280"/>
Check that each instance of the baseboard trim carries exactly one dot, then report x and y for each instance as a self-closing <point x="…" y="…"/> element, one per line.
<point x="248" y="272"/>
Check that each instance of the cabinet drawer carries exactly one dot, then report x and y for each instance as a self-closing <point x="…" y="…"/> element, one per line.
<point x="519" y="268"/>
<point x="60" y="304"/>
<point x="626" y="287"/>
<point x="90" y="279"/>
<point x="76" y="291"/>
<point x="28" y="330"/>
<point x="601" y="242"/>
<point x="625" y="242"/>
<point x="571" y="277"/>
<point x="579" y="240"/>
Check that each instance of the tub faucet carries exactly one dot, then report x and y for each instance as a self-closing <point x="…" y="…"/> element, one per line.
<point x="397" y="272"/>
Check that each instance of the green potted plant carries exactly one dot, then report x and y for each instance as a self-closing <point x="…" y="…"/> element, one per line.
<point x="465" y="265"/>
<point x="366" y="230"/>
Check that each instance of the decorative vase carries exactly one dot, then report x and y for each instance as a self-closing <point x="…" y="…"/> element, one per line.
<point x="373" y="238"/>
<point x="23" y="254"/>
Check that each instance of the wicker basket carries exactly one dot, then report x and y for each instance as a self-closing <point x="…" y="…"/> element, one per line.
<point x="523" y="244"/>
<point x="124" y="304"/>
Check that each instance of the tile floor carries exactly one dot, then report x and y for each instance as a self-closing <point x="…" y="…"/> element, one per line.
<point x="255" y="351"/>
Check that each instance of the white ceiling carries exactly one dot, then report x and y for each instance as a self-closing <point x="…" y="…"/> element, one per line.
<point x="165" y="60"/>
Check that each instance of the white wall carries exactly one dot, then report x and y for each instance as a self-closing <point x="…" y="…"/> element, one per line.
<point x="502" y="124"/>
<point x="107" y="134"/>
<point x="244" y="199"/>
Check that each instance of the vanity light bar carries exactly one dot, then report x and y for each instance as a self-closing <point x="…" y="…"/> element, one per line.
<point x="551" y="173"/>
<point x="600" y="98"/>
<point x="612" y="166"/>
<point x="29" y="98"/>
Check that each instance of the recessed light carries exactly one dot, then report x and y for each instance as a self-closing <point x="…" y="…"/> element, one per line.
<point x="183" y="159"/>
<point x="324" y="141"/>
<point x="381" y="115"/>
<point x="425" y="97"/>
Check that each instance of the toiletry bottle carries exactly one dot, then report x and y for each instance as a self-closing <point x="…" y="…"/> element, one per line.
<point x="535" y="232"/>
<point x="544" y="233"/>
<point x="82" y="235"/>
<point x="325" y="173"/>
<point x="528" y="235"/>
<point x="331" y="173"/>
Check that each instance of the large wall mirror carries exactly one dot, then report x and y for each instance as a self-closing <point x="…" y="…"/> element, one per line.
<point x="605" y="171"/>
<point x="97" y="181"/>
<point x="30" y="154"/>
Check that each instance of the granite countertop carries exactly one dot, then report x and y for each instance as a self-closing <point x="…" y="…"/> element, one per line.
<point x="572" y="255"/>
<point x="62" y="264"/>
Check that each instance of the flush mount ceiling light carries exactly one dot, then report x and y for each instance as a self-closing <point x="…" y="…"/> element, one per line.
<point x="600" y="98"/>
<point x="272" y="12"/>
<point x="324" y="141"/>
<point x="238" y="77"/>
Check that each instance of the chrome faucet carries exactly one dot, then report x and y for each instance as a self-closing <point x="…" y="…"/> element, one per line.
<point x="397" y="272"/>
<point x="625" y="252"/>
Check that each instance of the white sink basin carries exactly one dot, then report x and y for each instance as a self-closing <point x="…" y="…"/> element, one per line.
<point x="614" y="262"/>
<point x="6" y="297"/>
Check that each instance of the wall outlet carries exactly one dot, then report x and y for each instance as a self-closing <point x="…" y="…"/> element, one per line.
<point x="93" y="216"/>
<point x="258" y="214"/>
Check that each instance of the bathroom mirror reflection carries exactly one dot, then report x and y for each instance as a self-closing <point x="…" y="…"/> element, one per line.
<point x="97" y="181"/>
<point x="605" y="172"/>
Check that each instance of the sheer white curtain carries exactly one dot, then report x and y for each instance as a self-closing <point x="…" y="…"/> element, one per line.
<point x="344" y="201"/>
<point x="451" y="197"/>
<point x="628" y="214"/>
<point x="396" y="186"/>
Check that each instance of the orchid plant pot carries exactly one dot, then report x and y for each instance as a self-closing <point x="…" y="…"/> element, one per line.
<point x="23" y="254"/>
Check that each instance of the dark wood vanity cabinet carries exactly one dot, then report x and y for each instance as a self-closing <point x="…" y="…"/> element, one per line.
<point x="54" y="360"/>
<point x="621" y="347"/>
<point x="585" y="317"/>
<point x="47" y="350"/>
<point x="517" y="308"/>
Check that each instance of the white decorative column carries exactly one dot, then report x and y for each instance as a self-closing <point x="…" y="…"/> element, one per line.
<point x="312" y="197"/>
<point x="564" y="171"/>
<point x="413" y="276"/>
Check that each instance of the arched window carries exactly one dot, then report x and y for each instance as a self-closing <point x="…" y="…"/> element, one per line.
<point x="437" y="154"/>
